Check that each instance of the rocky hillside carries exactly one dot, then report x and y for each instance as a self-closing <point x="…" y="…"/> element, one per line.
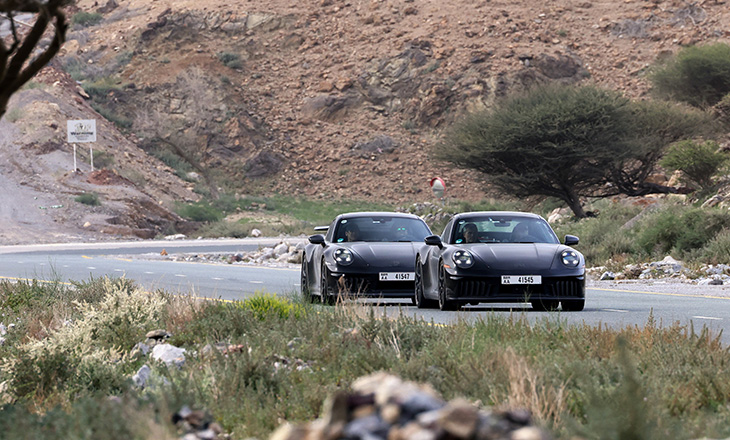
<point x="325" y="98"/>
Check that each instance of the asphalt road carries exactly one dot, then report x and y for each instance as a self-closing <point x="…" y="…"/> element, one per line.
<point x="613" y="305"/>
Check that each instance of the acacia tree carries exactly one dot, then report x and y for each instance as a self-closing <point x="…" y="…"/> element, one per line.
<point x="569" y="142"/>
<point x="17" y="61"/>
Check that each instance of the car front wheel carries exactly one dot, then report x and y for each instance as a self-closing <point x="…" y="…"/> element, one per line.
<point x="444" y="304"/>
<point x="324" y="286"/>
<point x="573" y="305"/>
<point x="304" y="282"/>
<point x="419" y="299"/>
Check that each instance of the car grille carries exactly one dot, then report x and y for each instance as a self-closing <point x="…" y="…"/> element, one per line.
<point x="354" y="284"/>
<point x="566" y="288"/>
<point x="560" y="288"/>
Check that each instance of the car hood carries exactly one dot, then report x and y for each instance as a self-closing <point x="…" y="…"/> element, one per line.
<point x="390" y="255"/>
<point x="506" y="256"/>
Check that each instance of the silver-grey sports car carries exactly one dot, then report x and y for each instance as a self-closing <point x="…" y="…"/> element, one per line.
<point x="368" y="254"/>
<point x="500" y="257"/>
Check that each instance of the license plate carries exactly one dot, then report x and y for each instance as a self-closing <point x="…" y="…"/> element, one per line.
<point x="521" y="279"/>
<point x="397" y="276"/>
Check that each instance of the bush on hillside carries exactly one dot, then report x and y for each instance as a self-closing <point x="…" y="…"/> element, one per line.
<point x="86" y="19"/>
<point x="698" y="161"/>
<point x="680" y="230"/>
<point x="698" y="75"/>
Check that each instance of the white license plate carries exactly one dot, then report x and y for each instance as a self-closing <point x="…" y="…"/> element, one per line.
<point x="521" y="279"/>
<point x="397" y="276"/>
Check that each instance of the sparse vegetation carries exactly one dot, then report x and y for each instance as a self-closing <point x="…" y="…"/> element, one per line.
<point x="230" y="59"/>
<point x="14" y="114"/>
<point x="633" y="233"/>
<point x="287" y="215"/>
<point x="90" y="198"/>
<point x="86" y="19"/>
<point x="577" y="381"/>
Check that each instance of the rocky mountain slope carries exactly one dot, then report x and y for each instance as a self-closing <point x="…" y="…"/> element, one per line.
<point x="319" y="98"/>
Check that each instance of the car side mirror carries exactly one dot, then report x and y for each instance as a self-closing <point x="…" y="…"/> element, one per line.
<point x="433" y="240"/>
<point x="317" y="239"/>
<point x="571" y="240"/>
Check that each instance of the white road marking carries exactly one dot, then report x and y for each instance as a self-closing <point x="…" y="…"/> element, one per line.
<point x="91" y="268"/>
<point x="180" y="275"/>
<point x="256" y="282"/>
<point x="118" y="270"/>
<point x="708" y="317"/>
<point x="149" y="273"/>
<point x="616" y="310"/>
<point x="217" y="279"/>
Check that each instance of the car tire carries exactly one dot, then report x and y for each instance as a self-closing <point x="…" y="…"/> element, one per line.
<point x="544" y="305"/>
<point x="304" y="282"/>
<point x="444" y="304"/>
<point x="418" y="298"/>
<point x="573" y="305"/>
<point x="324" y="286"/>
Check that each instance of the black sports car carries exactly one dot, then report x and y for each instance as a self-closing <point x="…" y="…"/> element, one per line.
<point x="500" y="257"/>
<point x="363" y="254"/>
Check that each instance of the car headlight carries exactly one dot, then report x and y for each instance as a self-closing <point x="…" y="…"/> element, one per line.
<point x="570" y="258"/>
<point x="343" y="257"/>
<point x="463" y="259"/>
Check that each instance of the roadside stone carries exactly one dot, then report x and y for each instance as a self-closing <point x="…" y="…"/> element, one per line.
<point x="158" y="334"/>
<point x="377" y="409"/>
<point x="142" y="376"/>
<point x="169" y="354"/>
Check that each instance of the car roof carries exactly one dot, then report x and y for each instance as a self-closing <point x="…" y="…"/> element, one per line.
<point x="468" y="215"/>
<point x="377" y="214"/>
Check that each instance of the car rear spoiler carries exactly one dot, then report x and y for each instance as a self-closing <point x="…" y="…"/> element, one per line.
<point x="321" y="228"/>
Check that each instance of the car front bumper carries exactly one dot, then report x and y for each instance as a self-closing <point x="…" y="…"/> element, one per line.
<point x="490" y="289"/>
<point x="369" y="285"/>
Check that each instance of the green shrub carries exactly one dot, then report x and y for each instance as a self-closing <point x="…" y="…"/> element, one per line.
<point x="225" y="228"/>
<point x="14" y="114"/>
<point x="91" y="199"/>
<point x="230" y="59"/>
<point x="698" y="75"/>
<point x="680" y="230"/>
<point x="103" y="159"/>
<point x="111" y="115"/>
<point x="717" y="250"/>
<point x="265" y="305"/>
<point x="86" y="19"/>
<point x="199" y="212"/>
<point x="698" y="161"/>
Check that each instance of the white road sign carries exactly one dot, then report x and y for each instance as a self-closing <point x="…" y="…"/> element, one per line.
<point x="83" y="130"/>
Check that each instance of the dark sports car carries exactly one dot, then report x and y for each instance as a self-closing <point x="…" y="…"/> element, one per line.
<point x="500" y="257"/>
<point x="363" y="254"/>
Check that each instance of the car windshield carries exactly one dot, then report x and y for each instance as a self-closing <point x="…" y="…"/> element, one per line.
<point x="503" y="229"/>
<point x="380" y="229"/>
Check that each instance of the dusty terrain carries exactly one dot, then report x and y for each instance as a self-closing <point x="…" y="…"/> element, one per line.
<point x="332" y="99"/>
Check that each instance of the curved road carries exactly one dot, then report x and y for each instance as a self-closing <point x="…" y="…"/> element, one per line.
<point x="615" y="305"/>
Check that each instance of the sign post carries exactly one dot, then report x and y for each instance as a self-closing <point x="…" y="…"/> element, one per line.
<point x="81" y="130"/>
